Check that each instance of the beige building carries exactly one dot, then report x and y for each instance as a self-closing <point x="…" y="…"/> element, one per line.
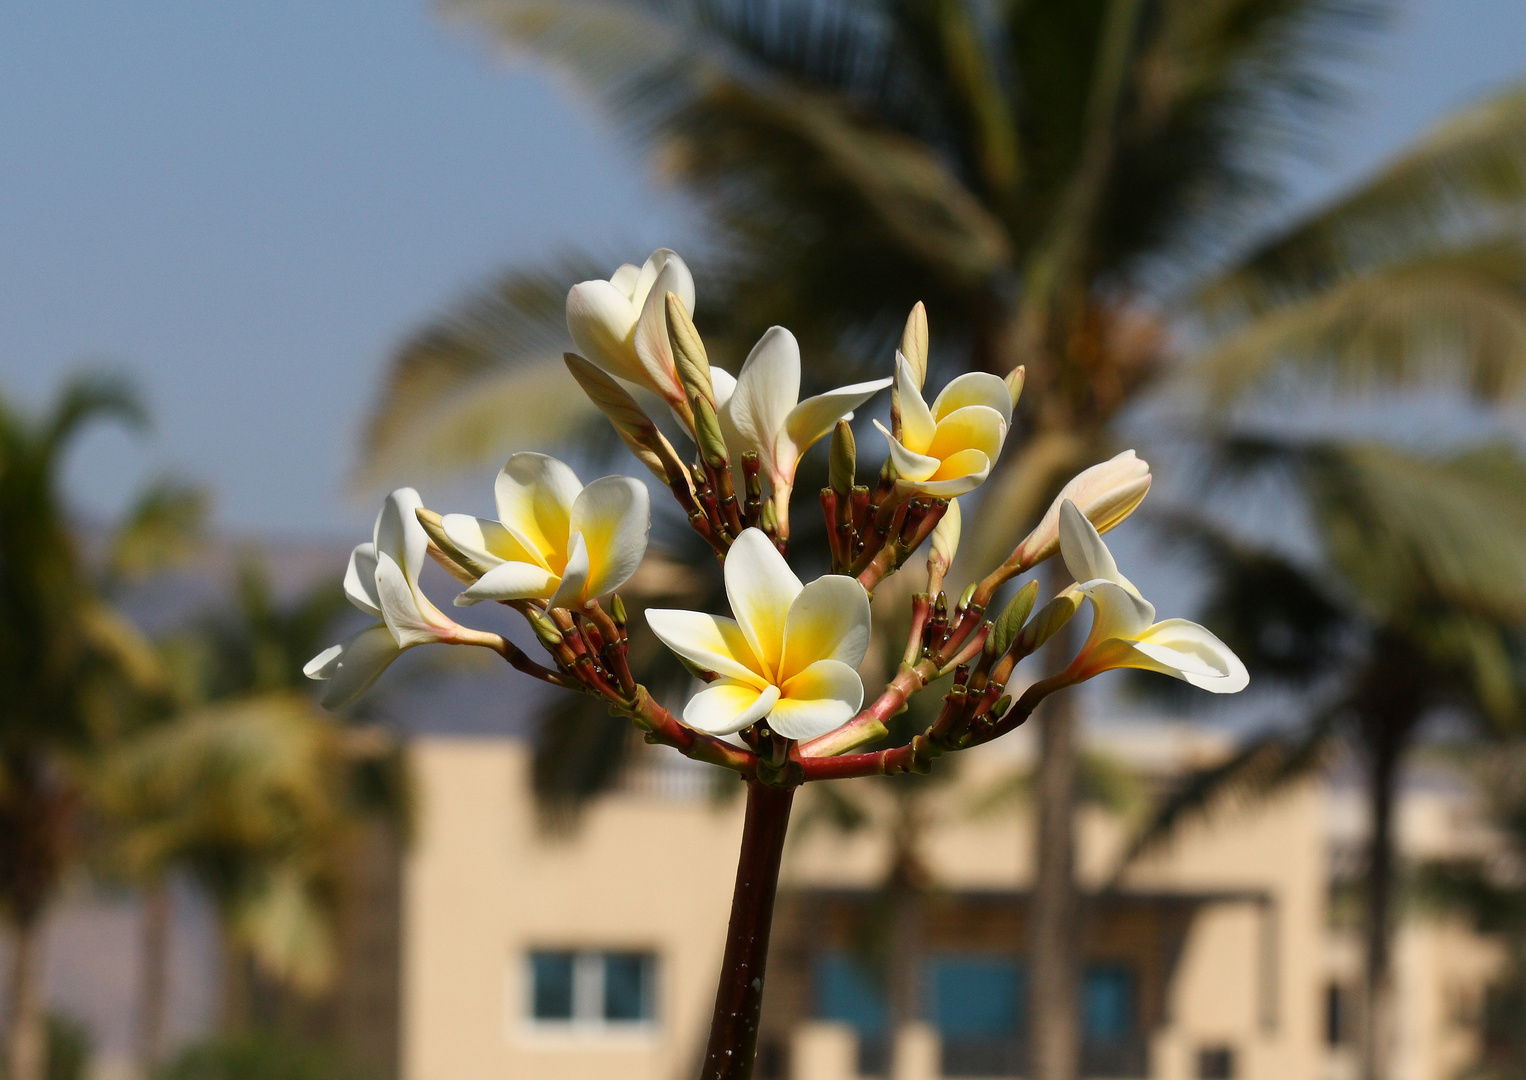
<point x="594" y="954"/>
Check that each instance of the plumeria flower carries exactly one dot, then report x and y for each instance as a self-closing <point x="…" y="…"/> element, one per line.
<point x="761" y="410"/>
<point x="790" y="655"/>
<point x="554" y="540"/>
<point x="1124" y="632"/>
<point x="949" y="449"/>
<point x="1106" y="493"/>
<point x="622" y="324"/>
<point x="383" y="581"/>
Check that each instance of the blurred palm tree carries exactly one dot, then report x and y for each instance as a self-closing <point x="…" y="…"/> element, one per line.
<point x="1064" y="185"/>
<point x="73" y="673"/>
<point x="255" y="792"/>
<point x="1413" y="608"/>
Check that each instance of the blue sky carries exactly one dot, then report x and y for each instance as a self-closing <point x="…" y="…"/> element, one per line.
<point x="246" y="206"/>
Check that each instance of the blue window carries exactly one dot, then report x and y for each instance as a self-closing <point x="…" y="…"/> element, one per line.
<point x="1107" y="1005"/>
<point x="592" y="988"/>
<point x="977" y="996"/>
<point x="847" y="992"/>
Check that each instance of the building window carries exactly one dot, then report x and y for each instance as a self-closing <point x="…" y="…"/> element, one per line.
<point x="1107" y="1005"/>
<point x="1337" y="1015"/>
<point x="1216" y="1063"/>
<point x="592" y="988"/>
<point x="978" y="1003"/>
<point x="848" y="992"/>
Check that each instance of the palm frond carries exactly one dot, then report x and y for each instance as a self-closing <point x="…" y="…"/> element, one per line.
<point x="88" y="397"/>
<point x="1453" y="316"/>
<point x="1470" y="169"/>
<point x="165" y="526"/>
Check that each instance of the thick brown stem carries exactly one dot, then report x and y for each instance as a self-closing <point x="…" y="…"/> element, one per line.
<point x="154" y="978"/>
<point x="739" y="999"/>
<point x="1054" y="931"/>
<point x="26" y="1049"/>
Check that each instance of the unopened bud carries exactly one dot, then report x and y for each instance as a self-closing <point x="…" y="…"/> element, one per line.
<point x="633" y="425"/>
<point x="1015" y="380"/>
<point x="617" y="609"/>
<point x="1009" y="623"/>
<point x="967" y="595"/>
<point x="945" y="540"/>
<point x="707" y="434"/>
<point x="689" y="353"/>
<point x="456" y="562"/>
<point x="914" y="343"/>
<point x="544" y="628"/>
<point x="1003" y="703"/>
<point x="1106" y="493"/>
<point x="843" y="461"/>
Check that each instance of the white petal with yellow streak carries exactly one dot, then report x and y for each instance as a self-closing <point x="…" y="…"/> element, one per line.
<point x="908" y="465"/>
<point x="761" y="588"/>
<point x="974" y="427"/>
<point x="728" y="705"/>
<point x="815" y="416"/>
<point x="614" y="516"/>
<point x="486" y="541"/>
<point x="511" y="581"/>
<point x="535" y="493"/>
<point x="1192" y="653"/>
<point x="709" y="642"/>
<point x="767" y="388"/>
<point x="828" y="620"/>
<point x="917" y="423"/>
<point x="601" y="320"/>
<point x="573" y="589"/>
<point x="825" y="696"/>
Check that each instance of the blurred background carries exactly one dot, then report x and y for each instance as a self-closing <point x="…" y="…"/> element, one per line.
<point x="261" y="264"/>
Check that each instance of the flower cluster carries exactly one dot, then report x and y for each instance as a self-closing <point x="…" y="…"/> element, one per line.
<point x="781" y="670"/>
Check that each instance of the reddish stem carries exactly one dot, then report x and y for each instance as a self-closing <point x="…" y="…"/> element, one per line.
<point x="733" y="1044"/>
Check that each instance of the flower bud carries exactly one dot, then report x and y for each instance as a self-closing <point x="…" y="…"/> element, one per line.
<point x="914" y="342"/>
<point x="707" y="434"/>
<point x="1106" y="493"/>
<point x="689" y="353"/>
<point x="456" y="562"/>
<point x="544" y="628"/>
<point x="1015" y="380"/>
<point x="843" y="461"/>
<point x="617" y="609"/>
<point x="944" y="543"/>
<point x="633" y="426"/>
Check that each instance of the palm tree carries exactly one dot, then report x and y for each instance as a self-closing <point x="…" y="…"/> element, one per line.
<point x="73" y="673"/>
<point x="1414" y="607"/>
<point x="253" y="790"/>
<point x="1062" y="184"/>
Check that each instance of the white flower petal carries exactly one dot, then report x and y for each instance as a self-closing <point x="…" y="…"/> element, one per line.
<point x="975" y="388"/>
<point x="614" y="514"/>
<point x="625" y="278"/>
<point x="824" y="696"/>
<point x="815" y="416"/>
<point x="908" y="466"/>
<point x="362" y="658"/>
<point x="399" y="534"/>
<point x="602" y="322"/>
<point x="1086" y="556"/>
<point x="324" y="664"/>
<point x="654" y="349"/>
<point x="511" y="581"/>
<point x="727" y="706"/>
<point x="535" y="493"/>
<point x="682" y="281"/>
<point x="410" y="616"/>
<point x="574" y="585"/>
<point x="1193" y="653"/>
<point x="917" y="423"/>
<point x="723" y="383"/>
<point x="766" y="390"/>
<point x="761" y="588"/>
<point x="710" y="642"/>
<point x="828" y="620"/>
<point x="360" y="580"/>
